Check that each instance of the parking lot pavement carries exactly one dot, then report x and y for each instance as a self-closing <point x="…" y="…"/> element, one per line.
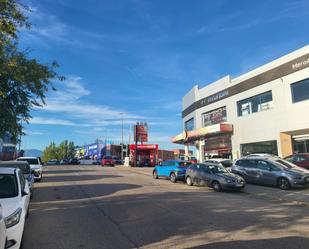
<point x="299" y="195"/>
<point x="95" y="207"/>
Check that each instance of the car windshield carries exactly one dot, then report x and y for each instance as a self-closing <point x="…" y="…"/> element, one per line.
<point x="217" y="169"/>
<point x="8" y="186"/>
<point x="285" y="164"/>
<point x="29" y="160"/>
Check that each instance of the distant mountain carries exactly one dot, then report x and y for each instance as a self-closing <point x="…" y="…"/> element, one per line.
<point x="33" y="152"/>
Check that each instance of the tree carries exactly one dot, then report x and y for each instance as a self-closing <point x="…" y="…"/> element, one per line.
<point x="50" y="152"/>
<point x="65" y="150"/>
<point x="24" y="81"/>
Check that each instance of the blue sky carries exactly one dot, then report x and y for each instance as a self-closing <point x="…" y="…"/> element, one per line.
<point x="140" y="58"/>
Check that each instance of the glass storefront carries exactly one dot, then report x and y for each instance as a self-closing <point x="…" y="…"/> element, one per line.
<point x="301" y="146"/>
<point x="268" y="147"/>
<point x="220" y="145"/>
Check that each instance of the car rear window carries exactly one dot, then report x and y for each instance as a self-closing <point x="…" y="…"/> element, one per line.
<point x="32" y="161"/>
<point x="107" y="157"/>
<point x="8" y="186"/>
<point x="285" y="164"/>
<point x="25" y="168"/>
<point x="227" y="163"/>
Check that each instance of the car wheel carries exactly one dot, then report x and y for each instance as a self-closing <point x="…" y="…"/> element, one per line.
<point x="216" y="186"/>
<point x="173" y="177"/>
<point x="189" y="181"/>
<point x="155" y="174"/>
<point x="284" y="183"/>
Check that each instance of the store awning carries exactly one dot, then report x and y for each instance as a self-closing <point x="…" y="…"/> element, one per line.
<point x="189" y="136"/>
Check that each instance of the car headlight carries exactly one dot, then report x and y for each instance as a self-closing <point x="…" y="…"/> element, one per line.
<point x="13" y="219"/>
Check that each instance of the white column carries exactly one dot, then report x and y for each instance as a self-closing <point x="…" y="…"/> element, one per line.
<point x="198" y="152"/>
<point x="201" y="151"/>
<point x="186" y="151"/>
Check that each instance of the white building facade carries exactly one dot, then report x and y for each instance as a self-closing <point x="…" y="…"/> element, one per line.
<point x="263" y="111"/>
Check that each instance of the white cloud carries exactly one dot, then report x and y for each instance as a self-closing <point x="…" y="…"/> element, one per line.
<point x="34" y="133"/>
<point x="51" y="121"/>
<point x="70" y="101"/>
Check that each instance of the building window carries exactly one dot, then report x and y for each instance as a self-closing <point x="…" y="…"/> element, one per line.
<point x="268" y="147"/>
<point x="300" y="90"/>
<point x="216" y="116"/>
<point x="254" y="104"/>
<point x="189" y="125"/>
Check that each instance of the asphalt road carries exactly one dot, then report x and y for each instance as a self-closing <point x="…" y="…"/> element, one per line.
<point x="94" y="207"/>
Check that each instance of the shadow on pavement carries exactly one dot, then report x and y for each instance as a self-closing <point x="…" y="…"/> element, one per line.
<point x="160" y="219"/>
<point x="75" y="192"/>
<point x="69" y="171"/>
<point x="72" y="178"/>
<point x="292" y="242"/>
<point x="157" y="217"/>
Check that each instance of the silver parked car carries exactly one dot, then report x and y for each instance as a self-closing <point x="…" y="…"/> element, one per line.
<point x="271" y="171"/>
<point x="2" y="230"/>
<point x="25" y="169"/>
<point x="214" y="176"/>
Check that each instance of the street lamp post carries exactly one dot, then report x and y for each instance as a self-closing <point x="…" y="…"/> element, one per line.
<point x="121" y="135"/>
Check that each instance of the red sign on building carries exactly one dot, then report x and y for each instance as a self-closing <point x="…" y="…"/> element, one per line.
<point x="141" y="133"/>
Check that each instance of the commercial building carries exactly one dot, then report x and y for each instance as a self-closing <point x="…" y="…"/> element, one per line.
<point x="7" y="148"/>
<point x="145" y="155"/>
<point x="263" y="111"/>
<point x="165" y="155"/>
<point x="180" y="154"/>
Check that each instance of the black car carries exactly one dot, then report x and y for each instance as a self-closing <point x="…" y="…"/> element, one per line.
<point x="74" y="161"/>
<point x="214" y="176"/>
<point x="117" y="160"/>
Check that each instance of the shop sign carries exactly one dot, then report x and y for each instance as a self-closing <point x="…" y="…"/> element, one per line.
<point x="179" y="137"/>
<point x="214" y="117"/>
<point x="194" y="133"/>
<point x="144" y="147"/>
<point x="141" y="132"/>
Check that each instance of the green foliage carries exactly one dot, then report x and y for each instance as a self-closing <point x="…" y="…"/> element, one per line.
<point x="65" y="150"/>
<point x="24" y="81"/>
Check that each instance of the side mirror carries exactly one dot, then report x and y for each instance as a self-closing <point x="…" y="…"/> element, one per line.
<point x="25" y="192"/>
<point x="270" y="169"/>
